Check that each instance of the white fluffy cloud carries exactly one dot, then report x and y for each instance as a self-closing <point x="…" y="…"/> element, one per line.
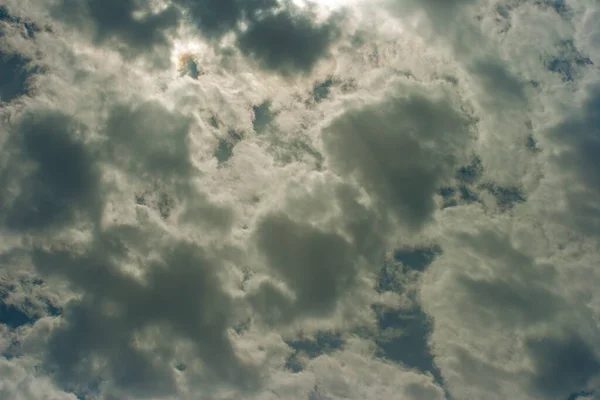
<point x="267" y="199"/>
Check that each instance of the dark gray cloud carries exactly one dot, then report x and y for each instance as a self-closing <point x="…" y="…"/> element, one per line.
<point x="317" y="266"/>
<point x="516" y="302"/>
<point x="88" y="337"/>
<point x="138" y="310"/>
<point x="50" y="175"/>
<point x="366" y="228"/>
<point x="149" y="141"/>
<point x="498" y="81"/>
<point x="180" y="295"/>
<point x="564" y="365"/>
<point x="215" y="18"/>
<point x="151" y="144"/>
<point x="401" y="150"/>
<point x="288" y="41"/>
<point x="500" y="290"/>
<point x="455" y="23"/>
<point x="111" y="20"/>
<point x="273" y="304"/>
<point x="519" y="291"/>
<point x="283" y="39"/>
<point x="584" y="394"/>
<point x="580" y="133"/>
<point x="52" y="178"/>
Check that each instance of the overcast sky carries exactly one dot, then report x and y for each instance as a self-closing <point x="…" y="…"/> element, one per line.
<point x="294" y="200"/>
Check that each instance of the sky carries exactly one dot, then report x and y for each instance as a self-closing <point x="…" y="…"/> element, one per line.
<point x="299" y="200"/>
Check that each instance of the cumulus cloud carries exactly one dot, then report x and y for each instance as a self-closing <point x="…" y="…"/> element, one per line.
<point x="578" y="136"/>
<point x="317" y="266"/>
<point x="20" y="383"/>
<point x="401" y="150"/>
<point x="50" y="172"/>
<point x="269" y="199"/>
<point x="97" y="340"/>
<point x="119" y="21"/>
<point x="281" y="36"/>
<point x="288" y="41"/>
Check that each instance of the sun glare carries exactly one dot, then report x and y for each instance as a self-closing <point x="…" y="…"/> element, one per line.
<point x="184" y="57"/>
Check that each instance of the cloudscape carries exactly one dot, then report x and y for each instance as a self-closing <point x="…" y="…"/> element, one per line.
<point x="299" y="199"/>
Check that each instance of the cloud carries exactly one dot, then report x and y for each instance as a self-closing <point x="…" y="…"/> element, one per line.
<point x="579" y="136"/>
<point x="365" y="200"/>
<point x="271" y="32"/>
<point x="120" y="20"/>
<point x="352" y="374"/>
<point x="18" y="383"/>
<point x="62" y="179"/>
<point x="282" y="38"/>
<point x="30" y="28"/>
<point x="401" y="150"/>
<point x="317" y="266"/>
<point x="178" y="296"/>
<point x="508" y="301"/>
<point x="150" y="140"/>
<point x="498" y="81"/>
<point x="216" y="18"/>
<point x="288" y="41"/>
<point x="565" y="365"/>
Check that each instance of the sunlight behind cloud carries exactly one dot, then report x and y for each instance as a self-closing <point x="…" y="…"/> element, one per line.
<point x="299" y="199"/>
